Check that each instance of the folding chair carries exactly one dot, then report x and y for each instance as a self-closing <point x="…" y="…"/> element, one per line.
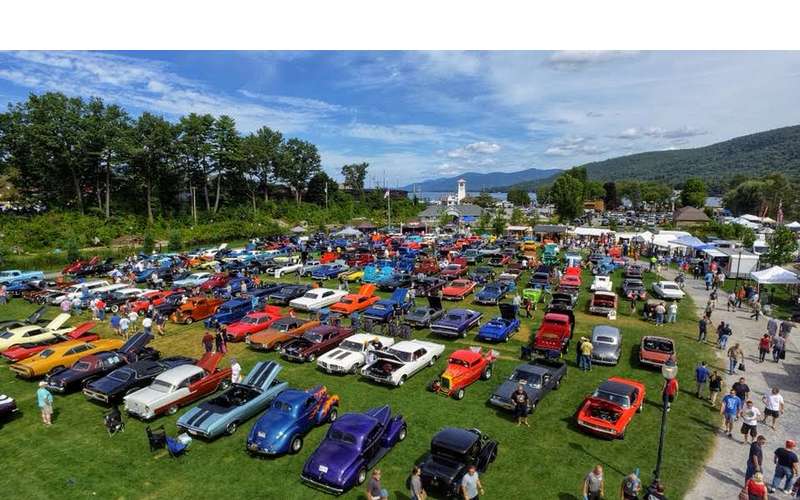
<point x="156" y="437"/>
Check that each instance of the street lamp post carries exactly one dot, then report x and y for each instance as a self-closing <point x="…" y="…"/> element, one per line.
<point x="669" y="371"/>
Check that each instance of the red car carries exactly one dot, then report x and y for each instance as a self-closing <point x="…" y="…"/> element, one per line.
<point x="313" y="342"/>
<point x="499" y="260"/>
<point x="216" y="281"/>
<point x="360" y="259"/>
<point x="609" y="410"/>
<point x="426" y="266"/>
<point x="79" y="264"/>
<point x="554" y="333"/>
<point x="328" y="257"/>
<point x="453" y="271"/>
<point x="252" y="323"/>
<point x="155" y="298"/>
<point x="464" y="367"/>
<point x="458" y="289"/>
<point x="570" y="281"/>
<point x="23" y="351"/>
<point x="655" y="351"/>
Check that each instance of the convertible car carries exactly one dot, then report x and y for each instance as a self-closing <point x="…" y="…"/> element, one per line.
<point x="34" y="319"/>
<point x="177" y="387"/>
<point x="458" y="289"/>
<point x="25" y="350"/>
<point x="61" y="355"/>
<point x="314" y="342"/>
<point x="611" y="408"/>
<point x="280" y="332"/>
<point x="254" y="322"/>
<point x="224" y="413"/>
<point x="456" y="323"/>
<point x="355" y="443"/>
<point x="396" y="364"/>
<point x="500" y="328"/>
<point x="354" y="302"/>
<point x="292" y="415"/>
<point x="352" y="353"/>
<point x="464" y="367"/>
<point x="453" y="452"/>
<point x="537" y="378"/>
<point x="128" y="378"/>
<point x="655" y="351"/>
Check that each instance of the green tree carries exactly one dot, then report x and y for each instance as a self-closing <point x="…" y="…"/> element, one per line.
<point x="694" y="193"/>
<point x="107" y="135"/>
<point x="656" y="193"/>
<point x="567" y="196"/>
<point x="444" y="219"/>
<point x="354" y="176"/>
<point x="499" y="224"/>
<point x="225" y="152"/>
<point x="151" y="155"/>
<point x="748" y="237"/>
<point x="316" y="188"/>
<point x="484" y="221"/>
<point x="302" y="161"/>
<point x="518" y="197"/>
<point x="782" y="246"/>
<point x="610" y="196"/>
<point x="543" y="195"/>
<point x="593" y="190"/>
<point x="195" y="148"/>
<point x="517" y="217"/>
<point x="484" y="200"/>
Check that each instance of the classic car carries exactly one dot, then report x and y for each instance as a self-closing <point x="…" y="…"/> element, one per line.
<point x="77" y="290"/>
<point x="216" y="282"/>
<point x="314" y="342"/>
<point x="453" y="271"/>
<point x="385" y="309"/>
<point x="540" y="279"/>
<point x="195" y="309"/>
<point x="7" y="406"/>
<point x="655" y="351"/>
<point x="634" y="271"/>
<point x="396" y="364"/>
<point x="482" y="274"/>
<point x="117" y="298"/>
<point x="464" y="367"/>
<point x="281" y="331"/>
<point x="634" y="288"/>
<point x="354" y="443"/>
<point x="25" y="350"/>
<point x="15" y="275"/>
<point x="128" y="378"/>
<point x="472" y="256"/>
<point x="292" y="415"/>
<point x="359" y="259"/>
<point x="353" y="275"/>
<point x="34" y="319"/>
<point x="309" y="267"/>
<point x="668" y="290"/>
<point x="79" y="264"/>
<point x="603" y="303"/>
<point x="499" y="260"/>
<point x="193" y="280"/>
<point x="490" y="250"/>
<point x="317" y="298"/>
<point x="287" y="293"/>
<point x="537" y="378"/>
<point x="351" y="355"/>
<point x="229" y="312"/>
<point x="569" y="281"/>
<point x="535" y="295"/>
<point x="224" y="413"/>
<point x="329" y="271"/>
<point x="456" y="322"/>
<point x="375" y="273"/>
<point x="453" y="452"/>
<point x="563" y="299"/>
<point x="606" y="344"/>
<point x="458" y="289"/>
<point x="396" y="280"/>
<point x="60" y="356"/>
<point x="611" y="407"/>
<point x="34" y="333"/>
<point x="554" y="333"/>
<point x="426" y="266"/>
<point x="492" y="293"/>
<point x="94" y="366"/>
<point x="500" y="328"/>
<point x="177" y="387"/>
<point x="254" y="322"/>
<point x="601" y="284"/>
<point x="169" y="304"/>
<point x="429" y="285"/>
<point x="354" y="302"/>
<point x="279" y="270"/>
<point x="425" y="315"/>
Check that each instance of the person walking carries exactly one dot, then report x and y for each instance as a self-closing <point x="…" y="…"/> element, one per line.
<point x="731" y="302"/>
<point x="729" y="409"/>
<point x="236" y="371"/>
<point x="772" y="327"/>
<point x="124" y="324"/>
<point x="709" y="279"/>
<point x="702" y="327"/>
<point x="670" y="391"/>
<point x="586" y="355"/>
<point x="114" y="321"/>
<point x="701" y="375"/>
<point x="415" y="489"/>
<point x="45" y="402"/>
<point x="764" y="345"/>
<point x="374" y="490"/>
<point x="755" y="458"/>
<point x="773" y="406"/>
<point x="735" y="354"/>
<point x="756" y="310"/>
<point x="742" y="389"/>
<point x="594" y="484"/>
<point x="471" y="487"/>
<point x="778" y="348"/>
<point x="220" y="341"/>
<point x="709" y="309"/>
<point x="516" y="302"/>
<point x="750" y="415"/>
<point x="785" y="467"/>
<point x="147" y="325"/>
<point x="660" y="310"/>
<point x="630" y="487"/>
<point x="521" y="402"/>
<point x="208" y="342"/>
<point x="755" y="489"/>
<point x="161" y="324"/>
<point x="740" y="295"/>
<point x="714" y="388"/>
<point x="672" y="312"/>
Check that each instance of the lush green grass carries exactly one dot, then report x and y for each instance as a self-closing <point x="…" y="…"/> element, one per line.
<point x="779" y="297"/>
<point x="76" y="459"/>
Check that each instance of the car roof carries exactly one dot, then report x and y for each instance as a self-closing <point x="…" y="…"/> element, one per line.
<point x="656" y="337"/>
<point x="177" y="374"/>
<point x="615" y="387"/>
<point x="455" y="439"/>
<point x="611" y="331"/>
<point x="466" y="355"/>
<point x="357" y="424"/>
<point x="293" y="396"/>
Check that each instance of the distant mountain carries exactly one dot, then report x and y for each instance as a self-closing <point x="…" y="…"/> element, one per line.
<point x="757" y="154"/>
<point x="479" y="182"/>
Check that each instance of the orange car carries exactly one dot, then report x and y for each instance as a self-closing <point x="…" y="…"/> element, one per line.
<point x="61" y="356"/>
<point x="353" y="302"/>
<point x="195" y="309"/>
<point x="281" y="331"/>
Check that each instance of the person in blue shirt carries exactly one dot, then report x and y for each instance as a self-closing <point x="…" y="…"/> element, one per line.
<point x="709" y="279"/>
<point x="730" y="409"/>
<point x="45" y="402"/>
<point x="701" y="374"/>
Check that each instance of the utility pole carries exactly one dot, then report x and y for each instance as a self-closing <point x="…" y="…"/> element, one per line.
<point x="194" y="203"/>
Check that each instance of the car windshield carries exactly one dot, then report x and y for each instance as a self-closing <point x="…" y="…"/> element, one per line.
<point x="454" y="317"/>
<point x="81" y="366"/>
<point x="617" y="399"/>
<point x="658" y="345"/>
<point x="347" y="300"/>
<point x="492" y="289"/>
<point x="161" y="386"/>
<point x="379" y="306"/>
<point x="225" y="310"/>
<point x="523" y="377"/>
<point x="46" y="353"/>
<point x="122" y="375"/>
<point x="459" y="284"/>
<point x="6" y="335"/>
<point x="350" y="345"/>
<point x="669" y="286"/>
<point x="401" y="355"/>
<point x="250" y="320"/>
<point x="453" y="267"/>
<point x="310" y="295"/>
<point x="314" y="337"/>
<point x="605" y="340"/>
<point x="344" y="437"/>
<point x="456" y="361"/>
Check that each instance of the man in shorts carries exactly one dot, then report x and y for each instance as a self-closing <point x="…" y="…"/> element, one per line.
<point x="750" y="415"/>
<point x="773" y="406"/>
<point x="730" y="408"/>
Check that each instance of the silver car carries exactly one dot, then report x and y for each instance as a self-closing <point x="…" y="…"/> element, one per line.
<point x="606" y="345"/>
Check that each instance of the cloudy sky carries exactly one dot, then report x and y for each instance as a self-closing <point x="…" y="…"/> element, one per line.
<point x="420" y="115"/>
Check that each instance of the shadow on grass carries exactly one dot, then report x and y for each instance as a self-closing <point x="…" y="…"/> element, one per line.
<point x="588" y="453"/>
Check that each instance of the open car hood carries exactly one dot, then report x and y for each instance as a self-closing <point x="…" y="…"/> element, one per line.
<point x="507" y="311"/>
<point x="209" y="361"/>
<point x="262" y="375"/>
<point x="135" y="343"/>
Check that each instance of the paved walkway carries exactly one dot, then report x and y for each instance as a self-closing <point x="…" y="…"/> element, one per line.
<point x="723" y="474"/>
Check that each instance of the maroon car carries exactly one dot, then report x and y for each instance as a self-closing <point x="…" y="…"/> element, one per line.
<point x="314" y="342"/>
<point x="453" y="271"/>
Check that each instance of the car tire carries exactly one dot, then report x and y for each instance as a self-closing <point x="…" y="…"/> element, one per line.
<point x="487" y="373"/>
<point x="533" y="407"/>
<point x="231" y="428"/>
<point x="402" y="434"/>
<point x="361" y="476"/>
<point x="188" y="321"/>
<point x="459" y="395"/>
<point x="224" y="385"/>
<point x="296" y="444"/>
<point x="640" y="409"/>
<point x="333" y="414"/>
<point x="172" y="410"/>
<point x="433" y="360"/>
<point x="401" y="381"/>
<point x="557" y="384"/>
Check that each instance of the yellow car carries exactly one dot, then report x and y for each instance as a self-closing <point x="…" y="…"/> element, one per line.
<point x="61" y="355"/>
<point x="356" y="275"/>
<point x="208" y="265"/>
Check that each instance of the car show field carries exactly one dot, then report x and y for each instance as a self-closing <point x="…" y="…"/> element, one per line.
<point x="76" y="458"/>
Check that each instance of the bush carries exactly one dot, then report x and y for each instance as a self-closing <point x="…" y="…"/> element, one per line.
<point x="147" y="244"/>
<point x="175" y="241"/>
<point x="73" y="252"/>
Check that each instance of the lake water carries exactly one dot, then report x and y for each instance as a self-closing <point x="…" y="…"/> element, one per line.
<point x="437" y="195"/>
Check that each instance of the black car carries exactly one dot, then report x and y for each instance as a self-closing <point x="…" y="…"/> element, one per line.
<point x="563" y="300"/>
<point x="171" y="303"/>
<point x="397" y="280"/>
<point x="33" y="319"/>
<point x="537" y="378"/>
<point x="7" y="406"/>
<point x="428" y="286"/>
<point x="96" y="269"/>
<point x="482" y="274"/>
<point x="126" y="379"/>
<point x="287" y="293"/>
<point x="453" y="451"/>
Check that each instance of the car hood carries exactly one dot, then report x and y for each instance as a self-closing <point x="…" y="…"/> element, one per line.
<point x="341" y="356"/>
<point x="270" y="428"/>
<point x="297" y="345"/>
<point x="333" y="455"/>
<point x="443" y="473"/>
<point x="146" y="396"/>
<point x="507" y="388"/>
<point x="107" y="385"/>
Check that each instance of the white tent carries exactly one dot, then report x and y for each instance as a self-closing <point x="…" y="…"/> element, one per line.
<point x="794" y="226"/>
<point x="775" y="275"/>
<point x="591" y="231"/>
<point x="298" y="229"/>
<point x="746" y="223"/>
<point x="755" y="218"/>
<point x="348" y="232"/>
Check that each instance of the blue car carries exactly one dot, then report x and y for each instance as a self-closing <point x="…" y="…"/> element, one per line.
<point x="242" y="401"/>
<point x="456" y="323"/>
<point x="329" y="271"/>
<point x="492" y="293"/>
<point x="501" y="328"/>
<point x="291" y="416"/>
<point x="14" y="275"/>
<point x="385" y="309"/>
<point x="230" y="312"/>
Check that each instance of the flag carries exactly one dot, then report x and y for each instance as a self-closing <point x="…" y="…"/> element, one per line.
<point x="779" y="214"/>
<point x="386" y="195"/>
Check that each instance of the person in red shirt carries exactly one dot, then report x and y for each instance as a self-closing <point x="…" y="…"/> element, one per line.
<point x="764" y="345"/>
<point x="755" y="487"/>
<point x="670" y="391"/>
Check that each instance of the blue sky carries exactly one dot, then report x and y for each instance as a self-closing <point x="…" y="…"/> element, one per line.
<point x="420" y="115"/>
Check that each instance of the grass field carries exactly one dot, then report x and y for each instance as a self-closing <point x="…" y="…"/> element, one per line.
<point x="75" y="458"/>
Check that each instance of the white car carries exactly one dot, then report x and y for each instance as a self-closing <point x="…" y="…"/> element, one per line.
<point x="287" y="268"/>
<point x="396" y="364"/>
<point x="76" y="290"/>
<point x="317" y="298"/>
<point x="34" y="333"/>
<point x="352" y="353"/>
<point x="191" y="281"/>
<point x="601" y="284"/>
<point x="668" y="290"/>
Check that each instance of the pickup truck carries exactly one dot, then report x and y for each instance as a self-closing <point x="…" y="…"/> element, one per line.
<point x="15" y="275"/>
<point x="603" y="303"/>
<point x="554" y="333"/>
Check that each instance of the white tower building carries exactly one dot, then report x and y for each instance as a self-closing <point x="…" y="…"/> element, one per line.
<point x="462" y="190"/>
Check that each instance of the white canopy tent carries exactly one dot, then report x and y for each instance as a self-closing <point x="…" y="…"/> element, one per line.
<point x="755" y="218"/>
<point x="348" y="232"/>
<point x="794" y="226"/>
<point x="775" y="275"/>
<point x="591" y="231"/>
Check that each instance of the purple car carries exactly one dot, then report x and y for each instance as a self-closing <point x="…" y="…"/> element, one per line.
<point x="7" y="406"/>
<point x="353" y="445"/>
<point x="456" y="323"/>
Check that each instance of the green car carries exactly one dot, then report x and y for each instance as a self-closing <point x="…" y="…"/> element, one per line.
<point x="532" y="294"/>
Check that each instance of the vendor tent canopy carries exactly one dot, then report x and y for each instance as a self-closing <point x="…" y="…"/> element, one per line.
<point x="755" y="218"/>
<point x="775" y="275"/>
<point x="794" y="226"/>
<point x="746" y="223"/>
<point x="591" y="231"/>
<point x="348" y="232"/>
<point x="691" y="242"/>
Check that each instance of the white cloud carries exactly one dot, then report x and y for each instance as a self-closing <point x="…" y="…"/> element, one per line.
<point x="574" y="60"/>
<point x="480" y="147"/>
<point x="683" y="132"/>
<point x="393" y="134"/>
<point x="574" y="146"/>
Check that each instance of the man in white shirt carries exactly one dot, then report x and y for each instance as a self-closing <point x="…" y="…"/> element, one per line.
<point x="236" y="371"/>
<point x="750" y="416"/>
<point x="147" y="324"/>
<point x="773" y="406"/>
